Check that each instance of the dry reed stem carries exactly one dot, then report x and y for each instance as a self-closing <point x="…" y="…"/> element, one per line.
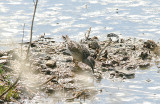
<point x="107" y="44"/>
<point x="35" y="7"/>
<point x="87" y="33"/>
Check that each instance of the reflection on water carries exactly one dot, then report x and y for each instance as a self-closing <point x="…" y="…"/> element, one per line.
<point x="73" y="17"/>
<point x="143" y="89"/>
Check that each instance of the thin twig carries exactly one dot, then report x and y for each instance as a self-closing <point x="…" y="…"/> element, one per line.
<point x="22" y="38"/>
<point x="87" y="33"/>
<point x="48" y="81"/>
<point x="107" y="44"/>
<point x="35" y="7"/>
<point x="11" y="86"/>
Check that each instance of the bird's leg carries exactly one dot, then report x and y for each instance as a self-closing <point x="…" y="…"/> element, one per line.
<point x="75" y="62"/>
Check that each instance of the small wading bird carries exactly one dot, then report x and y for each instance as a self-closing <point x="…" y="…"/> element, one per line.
<point x="79" y="53"/>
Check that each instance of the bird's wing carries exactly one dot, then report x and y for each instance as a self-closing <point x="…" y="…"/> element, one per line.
<point x="85" y="52"/>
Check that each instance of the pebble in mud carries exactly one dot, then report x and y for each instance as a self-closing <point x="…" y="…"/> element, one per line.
<point x="43" y="66"/>
<point x="47" y="58"/>
<point x="50" y="90"/>
<point x="106" y="65"/>
<point x="69" y="60"/>
<point x="112" y="35"/>
<point x="51" y="63"/>
<point x="143" y="55"/>
<point x="125" y="58"/>
<point x="94" y="45"/>
<point x="144" y="65"/>
<point x="150" y="44"/>
<point x="3" y="61"/>
<point x="46" y="71"/>
<point x="1" y="54"/>
<point x="65" y="52"/>
<point x="131" y="67"/>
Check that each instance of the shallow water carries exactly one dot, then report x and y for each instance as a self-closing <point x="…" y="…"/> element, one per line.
<point x="135" y="18"/>
<point x="143" y="89"/>
<point x="73" y="17"/>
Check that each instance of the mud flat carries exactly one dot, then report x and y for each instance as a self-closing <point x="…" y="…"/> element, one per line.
<point x="49" y="75"/>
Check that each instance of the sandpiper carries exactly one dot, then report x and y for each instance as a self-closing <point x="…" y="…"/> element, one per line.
<point x="79" y="52"/>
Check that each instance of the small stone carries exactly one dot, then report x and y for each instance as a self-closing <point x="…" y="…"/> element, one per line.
<point x="94" y="45"/>
<point x="112" y="74"/>
<point x="40" y="62"/>
<point x="52" y="41"/>
<point x="131" y="67"/>
<point x="48" y="38"/>
<point x="144" y="65"/>
<point x="133" y="48"/>
<point x="150" y="44"/>
<point x="54" y="81"/>
<point x="122" y="40"/>
<point x="3" y="61"/>
<point x="104" y="69"/>
<point x="33" y="45"/>
<point x="43" y="66"/>
<point x="50" y="90"/>
<point x="125" y="58"/>
<point x="114" y="62"/>
<point x="112" y="35"/>
<point x="51" y="63"/>
<point x="36" y="50"/>
<point x="71" y="81"/>
<point x="37" y="62"/>
<point x="148" y="80"/>
<point x="47" y="58"/>
<point x="1" y="54"/>
<point x="130" y="76"/>
<point x="106" y="65"/>
<point x="46" y="71"/>
<point x="50" y="50"/>
<point x="4" y="57"/>
<point x="143" y="55"/>
<point x="66" y="53"/>
<point x="69" y="60"/>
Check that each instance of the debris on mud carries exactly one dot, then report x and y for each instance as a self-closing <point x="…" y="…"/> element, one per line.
<point x="51" y="64"/>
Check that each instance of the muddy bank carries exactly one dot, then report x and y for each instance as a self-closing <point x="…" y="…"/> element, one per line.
<point x="49" y="70"/>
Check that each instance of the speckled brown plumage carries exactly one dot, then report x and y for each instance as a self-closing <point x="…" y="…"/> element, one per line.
<point x="79" y="52"/>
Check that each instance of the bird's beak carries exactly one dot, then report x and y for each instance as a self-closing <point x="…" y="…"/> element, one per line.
<point x="93" y="70"/>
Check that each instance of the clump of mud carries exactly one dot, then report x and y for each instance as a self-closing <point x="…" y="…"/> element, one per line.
<point x="49" y="70"/>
